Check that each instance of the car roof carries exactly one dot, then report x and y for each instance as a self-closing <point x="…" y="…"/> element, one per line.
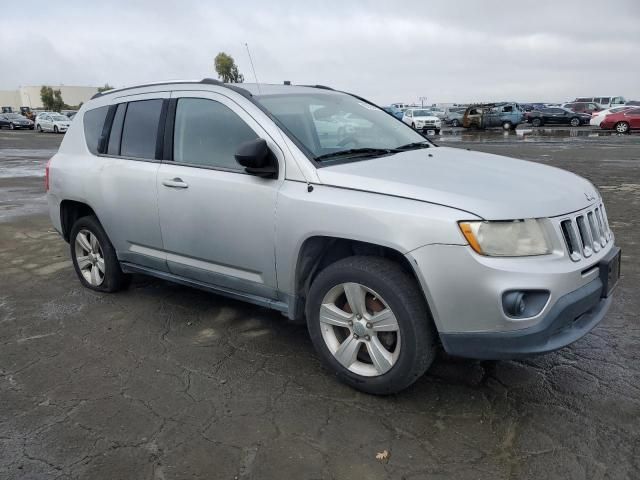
<point x="246" y="89"/>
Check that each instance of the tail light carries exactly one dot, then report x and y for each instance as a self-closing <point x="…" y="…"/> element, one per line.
<point x="46" y="176"/>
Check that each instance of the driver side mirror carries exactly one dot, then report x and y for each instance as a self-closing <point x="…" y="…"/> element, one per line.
<point x="257" y="159"/>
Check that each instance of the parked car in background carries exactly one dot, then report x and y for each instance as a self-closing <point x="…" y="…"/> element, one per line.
<point x="52" y="122"/>
<point x="422" y="120"/>
<point x="387" y="246"/>
<point x="557" y="116"/>
<point x="14" y="121"/>
<point x="582" y="107"/>
<point x="603" y="102"/>
<point x="453" y="116"/>
<point x="505" y="115"/>
<point x="622" y="122"/>
<point x="68" y="113"/>
<point x="598" y="117"/>
<point x="437" y="112"/>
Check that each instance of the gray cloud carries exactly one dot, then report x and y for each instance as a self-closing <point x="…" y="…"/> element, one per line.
<point x="387" y="51"/>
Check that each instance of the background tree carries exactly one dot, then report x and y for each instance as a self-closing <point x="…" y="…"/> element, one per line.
<point x="105" y="88"/>
<point x="51" y="99"/>
<point x="227" y="69"/>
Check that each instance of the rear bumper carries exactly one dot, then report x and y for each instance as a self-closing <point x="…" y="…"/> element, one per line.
<point x="573" y="316"/>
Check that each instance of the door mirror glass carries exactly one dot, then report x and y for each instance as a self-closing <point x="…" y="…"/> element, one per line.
<point x="257" y="159"/>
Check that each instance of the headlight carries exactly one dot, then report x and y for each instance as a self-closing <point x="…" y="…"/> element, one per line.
<point x="517" y="238"/>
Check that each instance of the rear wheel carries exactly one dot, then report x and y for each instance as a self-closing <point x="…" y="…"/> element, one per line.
<point x="455" y="122"/>
<point x="536" y="122"/>
<point x="94" y="258"/>
<point x="370" y="324"/>
<point x="622" y="127"/>
<point x="575" y="122"/>
<point x="507" y="126"/>
<point x="55" y="129"/>
<point x="12" y="126"/>
<point x="39" y="128"/>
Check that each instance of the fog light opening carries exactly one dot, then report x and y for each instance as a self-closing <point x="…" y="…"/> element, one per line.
<point x="524" y="303"/>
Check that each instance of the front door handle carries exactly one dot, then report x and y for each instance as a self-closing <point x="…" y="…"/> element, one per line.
<point x="174" y="183"/>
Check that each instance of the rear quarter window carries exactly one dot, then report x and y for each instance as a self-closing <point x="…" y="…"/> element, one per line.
<point x="93" y="124"/>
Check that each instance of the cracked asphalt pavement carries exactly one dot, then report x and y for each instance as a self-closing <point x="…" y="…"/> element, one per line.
<point x="166" y="382"/>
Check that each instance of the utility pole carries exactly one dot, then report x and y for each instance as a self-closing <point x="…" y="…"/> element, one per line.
<point x="422" y="100"/>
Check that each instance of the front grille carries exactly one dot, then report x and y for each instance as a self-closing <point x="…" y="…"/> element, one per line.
<point x="586" y="233"/>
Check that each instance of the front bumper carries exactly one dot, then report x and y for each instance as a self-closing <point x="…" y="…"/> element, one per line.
<point x="573" y="316"/>
<point x="465" y="290"/>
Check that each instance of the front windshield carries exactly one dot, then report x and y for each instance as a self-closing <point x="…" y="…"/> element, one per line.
<point x="422" y="113"/>
<point x="14" y="115"/>
<point x="59" y="118"/>
<point x="328" y="123"/>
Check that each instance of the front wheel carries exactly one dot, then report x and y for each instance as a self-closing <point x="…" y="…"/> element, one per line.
<point x="575" y="122"/>
<point x="55" y="129"/>
<point x="622" y="127"/>
<point x="12" y="126"/>
<point x="39" y="128"/>
<point x="536" y="122"/>
<point x="369" y="322"/>
<point x="506" y="126"/>
<point x="94" y="258"/>
<point x="455" y="123"/>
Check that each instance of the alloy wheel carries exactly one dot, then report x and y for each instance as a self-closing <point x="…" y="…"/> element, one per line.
<point x="360" y="329"/>
<point x="89" y="257"/>
<point x="622" y="127"/>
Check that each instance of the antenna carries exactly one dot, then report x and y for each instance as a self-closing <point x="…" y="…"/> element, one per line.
<point x="253" y="68"/>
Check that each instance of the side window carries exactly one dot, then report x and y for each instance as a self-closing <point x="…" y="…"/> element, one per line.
<point x="140" y="130"/>
<point x="605" y="100"/>
<point x="93" y="123"/>
<point x="507" y="109"/>
<point x="409" y="113"/>
<point x="208" y="133"/>
<point x="116" y="130"/>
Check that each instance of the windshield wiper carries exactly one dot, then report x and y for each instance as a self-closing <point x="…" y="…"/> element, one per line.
<point x="361" y="152"/>
<point x="414" y="145"/>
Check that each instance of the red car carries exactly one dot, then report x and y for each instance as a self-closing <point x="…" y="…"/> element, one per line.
<point x="622" y="122"/>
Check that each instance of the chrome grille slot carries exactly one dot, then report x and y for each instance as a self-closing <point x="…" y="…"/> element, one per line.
<point x="586" y="233"/>
<point x="585" y="236"/>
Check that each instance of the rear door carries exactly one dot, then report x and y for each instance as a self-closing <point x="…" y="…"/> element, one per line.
<point x="129" y="156"/>
<point x="634" y="117"/>
<point x="218" y="222"/>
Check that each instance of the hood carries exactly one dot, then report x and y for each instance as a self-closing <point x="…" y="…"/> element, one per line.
<point x="489" y="186"/>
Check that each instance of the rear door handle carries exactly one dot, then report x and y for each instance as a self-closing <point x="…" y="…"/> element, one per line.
<point x="174" y="183"/>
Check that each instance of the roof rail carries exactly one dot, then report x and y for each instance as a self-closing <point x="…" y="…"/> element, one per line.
<point x="207" y="81"/>
<point x="323" y="87"/>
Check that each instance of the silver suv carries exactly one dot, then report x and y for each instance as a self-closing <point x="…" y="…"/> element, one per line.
<point x="320" y="205"/>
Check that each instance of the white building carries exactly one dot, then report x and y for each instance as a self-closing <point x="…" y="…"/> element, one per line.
<point x="29" y="96"/>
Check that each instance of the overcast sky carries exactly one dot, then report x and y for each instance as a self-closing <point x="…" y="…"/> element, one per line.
<point x="384" y="50"/>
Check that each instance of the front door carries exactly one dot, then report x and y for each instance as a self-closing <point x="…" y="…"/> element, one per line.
<point x="217" y="221"/>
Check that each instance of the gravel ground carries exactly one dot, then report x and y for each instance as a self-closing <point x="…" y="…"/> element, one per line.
<point x="165" y="382"/>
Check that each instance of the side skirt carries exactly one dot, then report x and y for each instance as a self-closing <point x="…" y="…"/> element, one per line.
<point x="245" y="297"/>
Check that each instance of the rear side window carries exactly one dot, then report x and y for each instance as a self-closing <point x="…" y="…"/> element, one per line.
<point x="140" y="130"/>
<point x="208" y="133"/>
<point x="93" y="124"/>
<point x="116" y="130"/>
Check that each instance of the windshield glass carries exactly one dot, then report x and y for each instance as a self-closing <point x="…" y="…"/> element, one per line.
<point x="13" y="115"/>
<point x="59" y="118"/>
<point x="326" y="123"/>
<point x="422" y="113"/>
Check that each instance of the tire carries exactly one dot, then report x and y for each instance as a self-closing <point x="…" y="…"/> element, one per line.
<point x="536" y="122"/>
<point x="55" y="129"/>
<point x="622" y="127"/>
<point x="506" y="126"/>
<point x="575" y="122"/>
<point x="455" y="122"/>
<point x="12" y="126"/>
<point x="110" y="277"/>
<point x="39" y="128"/>
<point x="386" y="286"/>
<point x="437" y="131"/>
<point x="413" y="125"/>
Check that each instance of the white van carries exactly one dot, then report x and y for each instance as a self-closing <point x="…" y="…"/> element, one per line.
<point x="604" y="102"/>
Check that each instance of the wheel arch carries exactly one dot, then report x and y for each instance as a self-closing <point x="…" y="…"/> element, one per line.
<point x="70" y="212"/>
<point x="318" y="252"/>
